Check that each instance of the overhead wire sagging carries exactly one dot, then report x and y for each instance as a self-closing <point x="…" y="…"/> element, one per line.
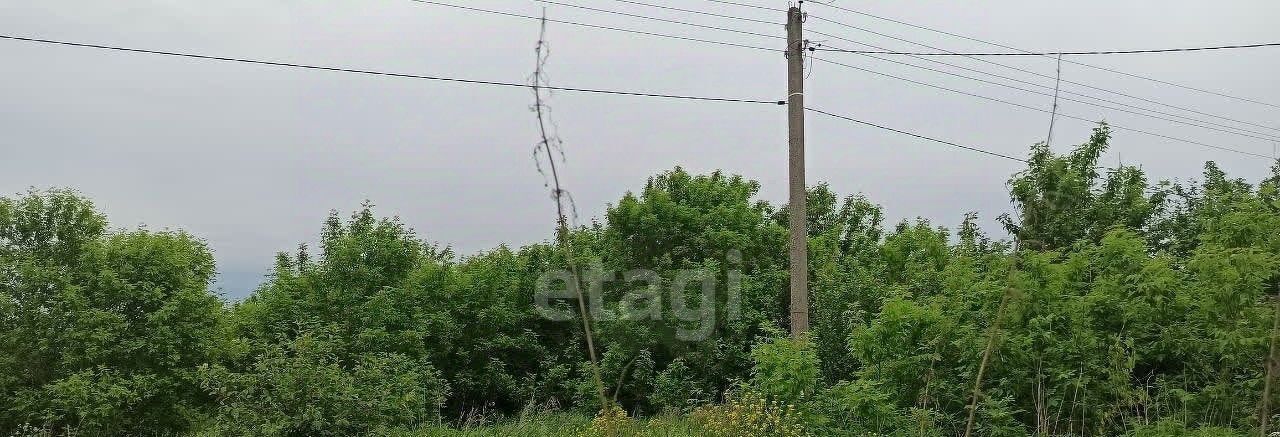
<point x="1005" y="46"/>
<point x="383" y="73"/>
<point x="695" y="11"/>
<point x="596" y="26"/>
<point x="1180" y="119"/>
<point x="1018" y="69"/>
<point x="746" y="5"/>
<point x="910" y="134"/>
<point x="640" y="93"/>
<point x="1095" y="52"/>
<point x="664" y="20"/>
<point x="980" y="96"/>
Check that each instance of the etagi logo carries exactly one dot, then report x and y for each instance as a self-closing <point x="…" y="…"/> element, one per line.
<point x="691" y="303"/>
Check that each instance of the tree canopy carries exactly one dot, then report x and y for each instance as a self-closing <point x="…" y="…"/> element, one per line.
<point x="1114" y="306"/>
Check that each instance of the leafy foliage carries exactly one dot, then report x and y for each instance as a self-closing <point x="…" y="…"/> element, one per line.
<point x="305" y="390"/>
<point x="1130" y="308"/>
<point x="99" y="331"/>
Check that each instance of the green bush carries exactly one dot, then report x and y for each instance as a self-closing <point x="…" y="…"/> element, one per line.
<point x="304" y="389"/>
<point x="785" y="370"/>
<point x="100" y="332"/>
<point x="864" y="408"/>
<point x="676" y="391"/>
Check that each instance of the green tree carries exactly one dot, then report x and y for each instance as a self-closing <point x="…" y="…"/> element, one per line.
<point x="692" y="223"/>
<point x="1063" y="199"/>
<point x="100" y="332"/>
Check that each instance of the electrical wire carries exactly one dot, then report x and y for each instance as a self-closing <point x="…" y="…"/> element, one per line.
<point x="1184" y="140"/>
<point x="1193" y="121"/>
<point x="1056" y="81"/>
<point x="693" y="11"/>
<point x="745" y="5"/>
<point x="949" y="143"/>
<point x="664" y="20"/>
<point x="597" y="26"/>
<point x="1111" y="70"/>
<point x="1034" y="73"/>
<point x="1096" y="52"/>
<point x="1269" y="138"/>
<point x="606" y="91"/>
<point x="468" y="81"/>
<point x="383" y="73"/>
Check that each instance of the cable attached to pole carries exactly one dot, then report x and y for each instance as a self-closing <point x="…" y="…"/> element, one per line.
<point x="1093" y="52"/>
<point x="388" y="74"/>
<point x="910" y="134"/>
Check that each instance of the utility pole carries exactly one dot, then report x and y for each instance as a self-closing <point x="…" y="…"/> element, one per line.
<point x="795" y="138"/>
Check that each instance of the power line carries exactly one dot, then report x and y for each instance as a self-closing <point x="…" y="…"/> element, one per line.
<point x="1193" y="122"/>
<point x="949" y="143"/>
<point x="1057" y="80"/>
<point x="597" y="26"/>
<point x="1055" y="88"/>
<point x="1034" y="73"/>
<point x="980" y="96"/>
<point x="772" y="36"/>
<point x="388" y="74"/>
<point x="646" y="17"/>
<point x="591" y="90"/>
<point x="1095" y="52"/>
<point x="1269" y="138"/>
<point x="1111" y="70"/>
<point x="745" y="5"/>
<point x="694" y="11"/>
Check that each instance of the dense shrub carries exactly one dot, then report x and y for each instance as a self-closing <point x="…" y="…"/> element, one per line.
<point x="748" y="414"/>
<point x="100" y="332"/>
<point x="376" y="289"/>
<point x="304" y="389"/>
<point x="785" y="370"/>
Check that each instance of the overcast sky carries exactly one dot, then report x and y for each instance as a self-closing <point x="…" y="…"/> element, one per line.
<point x="252" y="158"/>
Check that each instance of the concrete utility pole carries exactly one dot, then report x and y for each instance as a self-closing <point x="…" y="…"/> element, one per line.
<point x="799" y="211"/>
